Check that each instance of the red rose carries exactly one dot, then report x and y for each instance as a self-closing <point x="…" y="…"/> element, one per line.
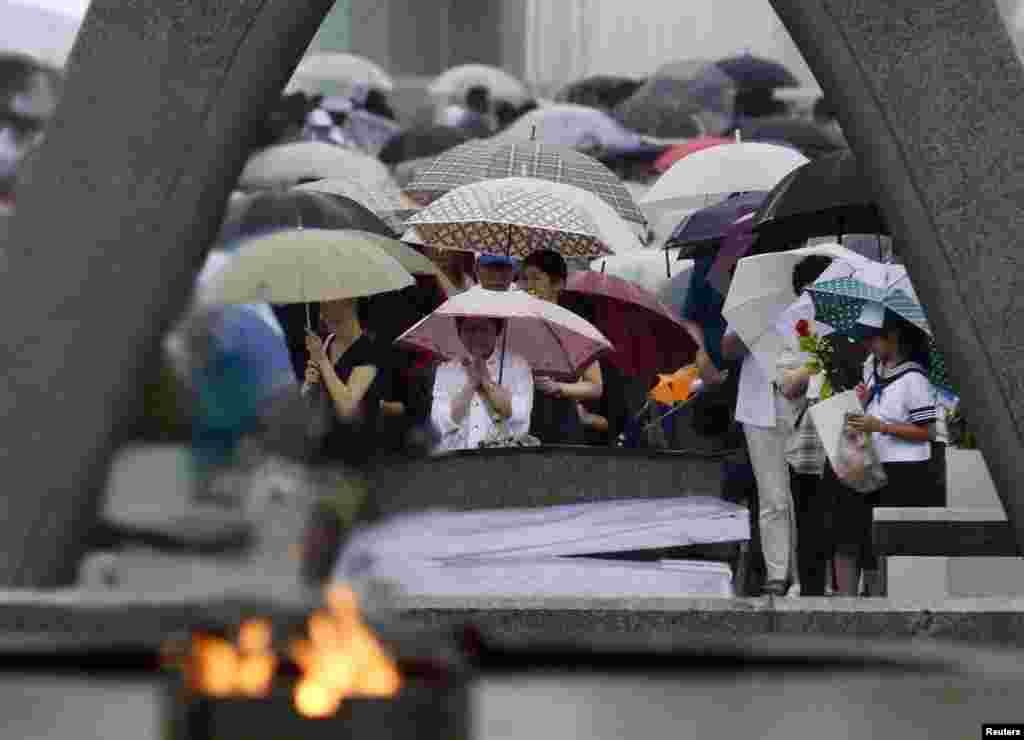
<point x="803" y="328"/>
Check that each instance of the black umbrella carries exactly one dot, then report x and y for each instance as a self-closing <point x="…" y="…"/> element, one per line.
<point x="749" y="71"/>
<point x="811" y="139"/>
<point x="419" y="143"/>
<point x="599" y="91"/>
<point x="291" y="209"/>
<point x="828" y="196"/>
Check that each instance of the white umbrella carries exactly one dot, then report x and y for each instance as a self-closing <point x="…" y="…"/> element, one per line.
<point x="720" y="170"/>
<point x="306" y="266"/>
<point x="553" y="340"/>
<point x="45" y="31"/>
<point x="762" y="289"/>
<point x="289" y="164"/>
<point x="575" y="126"/>
<point x="338" y="73"/>
<point x="456" y="81"/>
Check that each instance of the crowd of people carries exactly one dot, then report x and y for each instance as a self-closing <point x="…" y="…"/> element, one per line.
<point x="375" y="400"/>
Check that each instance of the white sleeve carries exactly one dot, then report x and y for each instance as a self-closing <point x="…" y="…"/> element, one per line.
<point x="919" y="399"/>
<point x="447" y="382"/>
<point x="519" y="384"/>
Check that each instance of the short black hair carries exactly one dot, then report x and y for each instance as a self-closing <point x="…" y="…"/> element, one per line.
<point x="549" y="262"/>
<point x="808" y="270"/>
<point x="499" y="324"/>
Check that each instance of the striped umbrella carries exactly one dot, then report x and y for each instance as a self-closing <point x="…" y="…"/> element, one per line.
<point x="489" y="159"/>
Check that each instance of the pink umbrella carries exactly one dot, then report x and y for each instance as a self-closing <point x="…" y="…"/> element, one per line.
<point x="648" y="338"/>
<point x="677" y="151"/>
<point x="553" y="340"/>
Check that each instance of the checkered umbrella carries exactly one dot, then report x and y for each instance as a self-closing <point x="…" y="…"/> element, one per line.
<point x="489" y="159"/>
<point x="839" y="303"/>
<point x="508" y="219"/>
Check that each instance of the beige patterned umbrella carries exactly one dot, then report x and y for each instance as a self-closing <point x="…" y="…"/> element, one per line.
<point x="508" y="219"/>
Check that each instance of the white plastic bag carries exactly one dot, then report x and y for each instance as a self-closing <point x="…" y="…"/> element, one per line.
<point x="856" y="461"/>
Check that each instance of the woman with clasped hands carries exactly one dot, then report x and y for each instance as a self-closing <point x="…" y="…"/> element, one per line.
<point x="469" y="405"/>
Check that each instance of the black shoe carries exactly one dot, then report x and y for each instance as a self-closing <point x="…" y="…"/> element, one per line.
<point x="775" y="588"/>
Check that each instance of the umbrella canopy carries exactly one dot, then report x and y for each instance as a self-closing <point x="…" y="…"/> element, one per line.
<point x="737" y="241"/>
<point x="291" y="164"/>
<point x="385" y="199"/>
<point x="552" y="339"/>
<point x="721" y="170"/>
<point x="807" y="136"/>
<point x="749" y="71"/>
<point x="598" y="91"/>
<point x="43" y="33"/>
<point x="829" y="196"/>
<point x="418" y="143"/>
<point x="508" y="218"/>
<point x="456" y="81"/>
<point x="677" y="151"/>
<point x="491" y="159"/>
<point x="648" y="337"/>
<point x="840" y="303"/>
<point x="662" y="108"/>
<point x="306" y="266"/>
<point x="707" y="227"/>
<point x="333" y="73"/>
<point x="669" y="281"/>
<point x="762" y="289"/>
<point x="574" y="126"/>
<point x="259" y="212"/>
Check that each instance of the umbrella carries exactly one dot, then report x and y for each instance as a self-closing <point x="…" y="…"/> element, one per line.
<point x="677" y="151"/>
<point x="648" y="337"/>
<point x="810" y="138"/>
<point x="612" y="229"/>
<point x="829" y="196"/>
<point x="419" y="143"/>
<point x="489" y="159"/>
<point x="552" y="339"/>
<point x="840" y="301"/>
<point x="662" y="108"/>
<point x="707" y="227"/>
<point x="307" y="265"/>
<point x="291" y="164"/>
<point x="648" y="268"/>
<point x="721" y="170"/>
<point x="384" y="199"/>
<point x="40" y="31"/>
<point x="333" y="73"/>
<point x="456" y="81"/>
<point x="574" y="126"/>
<point x="762" y="289"/>
<point x="749" y="71"/>
<point x="675" y="387"/>
<point x="265" y="211"/>
<point x="738" y="240"/>
<point x="598" y="91"/>
<point x="508" y="218"/>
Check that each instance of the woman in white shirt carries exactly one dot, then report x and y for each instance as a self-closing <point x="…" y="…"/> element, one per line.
<point x="469" y="405"/>
<point x="900" y="412"/>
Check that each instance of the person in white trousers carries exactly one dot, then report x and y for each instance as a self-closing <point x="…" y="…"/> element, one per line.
<point x="768" y="417"/>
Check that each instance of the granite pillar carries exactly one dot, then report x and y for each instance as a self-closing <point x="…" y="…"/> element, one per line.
<point x="931" y="98"/>
<point x="113" y="220"/>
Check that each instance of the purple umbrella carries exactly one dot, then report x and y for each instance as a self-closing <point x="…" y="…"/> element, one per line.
<point x="749" y="71"/>
<point x="737" y="242"/>
<point x="706" y="227"/>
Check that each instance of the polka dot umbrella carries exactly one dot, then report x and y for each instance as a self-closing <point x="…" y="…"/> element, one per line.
<point x="839" y="302"/>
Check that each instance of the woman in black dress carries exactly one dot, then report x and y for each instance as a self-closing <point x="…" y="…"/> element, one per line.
<point x="555" y="418"/>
